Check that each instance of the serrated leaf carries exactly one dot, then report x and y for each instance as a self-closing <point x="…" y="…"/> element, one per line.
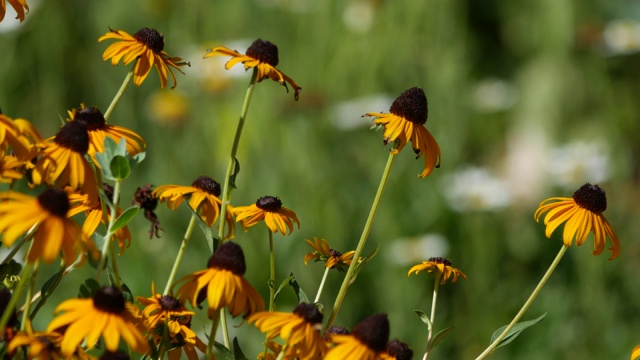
<point x="438" y="337"/>
<point x="119" y="167"/>
<point x="515" y="331"/>
<point x="125" y="218"/>
<point x="423" y="317"/>
<point x="237" y="352"/>
<point x="88" y="288"/>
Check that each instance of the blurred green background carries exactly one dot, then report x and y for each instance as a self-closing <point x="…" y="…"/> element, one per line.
<point x="528" y="100"/>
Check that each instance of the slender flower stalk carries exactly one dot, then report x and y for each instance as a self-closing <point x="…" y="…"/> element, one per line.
<point x="110" y="232"/>
<point x="272" y="273"/>
<point x="363" y="239"/>
<point x="526" y="305"/>
<point x="176" y="263"/>
<point x="212" y="333"/>
<point x="29" y="298"/>
<point x="123" y="87"/>
<point x="226" y="191"/>
<point x="321" y="287"/>
<point x="24" y="278"/>
<point x="432" y="317"/>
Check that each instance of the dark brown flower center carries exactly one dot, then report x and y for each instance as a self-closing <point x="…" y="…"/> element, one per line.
<point x="118" y="355"/>
<point x="46" y="342"/>
<point x="91" y="117"/>
<point x="399" y="350"/>
<point x="264" y="51"/>
<point x="55" y="201"/>
<point x="440" y="260"/>
<point x="150" y="38"/>
<point x="229" y="256"/>
<point x="73" y="136"/>
<point x="373" y="332"/>
<point x="412" y="106"/>
<point x="337" y="330"/>
<point x="169" y="303"/>
<point x="335" y="253"/>
<point x="109" y="299"/>
<point x="145" y="199"/>
<point x="269" y="204"/>
<point x="207" y="185"/>
<point x="591" y="197"/>
<point x="309" y="312"/>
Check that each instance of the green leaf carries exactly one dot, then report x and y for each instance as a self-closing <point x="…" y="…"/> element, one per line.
<point x="51" y="283"/>
<point x="88" y="288"/>
<point x="222" y="352"/>
<point x="284" y="283"/>
<point x="424" y="317"/>
<point x="438" y="337"/>
<point x="515" y="331"/>
<point x="359" y="265"/>
<point x="119" y="167"/>
<point x="104" y="161"/>
<point x="125" y="218"/>
<point x="239" y="355"/>
<point x="236" y="170"/>
<point x="302" y="297"/>
<point x="10" y="268"/>
<point x="206" y="230"/>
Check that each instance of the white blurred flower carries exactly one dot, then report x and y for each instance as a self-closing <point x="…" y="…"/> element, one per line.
<point x="474" y="189"/>
<point x="347" y="115"/>
<point x="493" y="95"/>
<point x="358" y="16"/>
<point x="574" y="164"/>
<point x="406" y="251"/>
<point x="622" y="37"/>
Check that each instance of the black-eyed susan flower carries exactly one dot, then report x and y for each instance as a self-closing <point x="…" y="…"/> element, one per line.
<point x="408" y="114"/>
<point x="48" y="212"/>
<point x="147" y="201"/>
<point x="333" y="259"/>
<point x="98" y="130"/>
<point x="95" y="216"/>
<point x="18" y="137"/>
<point x="368" y="340"/>
<point x="635" y="353"/>
<point x="20" y="6"/>
<point x="300" y="330"/>
<point x="262" y="55"/>
<point x="63" y="163"/>
<point x="107" y="314"/>
<point x="42" y="345"/>
<point x="397" y="350"/>
<point x="146" y="45"/>
<point x="9" y="169"/>
<point x="159" y="308"/>
<point x="581" y="214"/>
<point x="441" y="267"/>
<point x="269" y="209"/>
<point x="203" y="195"/>
<point x="222" y="284"/>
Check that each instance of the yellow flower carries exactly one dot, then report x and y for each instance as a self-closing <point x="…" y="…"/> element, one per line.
<point x="98" y="130"/>
<point x="441" y="266"/>
<point x="269" y="208"/>
<point x="8" y="166"/>
<point x="262" y="55"/>
<point x="18" y="138"/>
<point x="635" y="353"/>
<point x="368" y="340"/>
<point x="63" y="163"/>
<point x="222" y="284"/>
<point x="159" y="308"/>
<point x="203" y="195"/>
<point x="300" y="330"/>
<point x="582" y="214"/>
<point x="42" y="345"/>
<point x="106" y="314"/>
<point x="54" y="233"/>
<point x="95" y="216"/>
<point x="147" y="46"/>
<point x="18" y="5"/>
<point x="406" y="120"/>
<point x="332" y="258"/>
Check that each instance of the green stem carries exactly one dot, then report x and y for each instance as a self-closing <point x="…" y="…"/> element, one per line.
<point x="226" y="191"/>
<point x="432" y="318"/>
<point x="176" y="263"/>
<point x="109" y="233"/>
<point x="225" y="331"/>
<point x="324" y="278"/>
<point x="29" y="297"/>
<point x="114" y="267"/>
<point x="363" y="239"/>
<point x="45" y="295"/>
<point x="272" y="273"/>
<point x="24" y="278"/>
<point x="526" y="305"/>
<point x="212" y="335"/>
<point x="123" y="87"/>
